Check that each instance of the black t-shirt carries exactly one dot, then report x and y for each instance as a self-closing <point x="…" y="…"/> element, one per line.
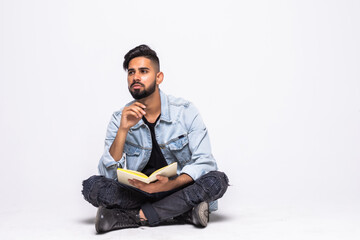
<point x="157" y="159"/>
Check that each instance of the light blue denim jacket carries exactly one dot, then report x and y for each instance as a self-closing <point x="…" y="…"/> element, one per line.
<point x="180" y="133"/>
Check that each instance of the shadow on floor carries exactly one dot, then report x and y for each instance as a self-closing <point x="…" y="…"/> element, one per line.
<point x="216" y="217"/>
<point x="88" y="221"/>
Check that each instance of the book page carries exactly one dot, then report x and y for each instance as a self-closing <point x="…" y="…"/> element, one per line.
<point x="167" y="171"/>
<point x="140" y="174"/>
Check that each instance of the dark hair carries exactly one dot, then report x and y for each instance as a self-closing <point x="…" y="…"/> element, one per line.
<point x="141" y="51"/>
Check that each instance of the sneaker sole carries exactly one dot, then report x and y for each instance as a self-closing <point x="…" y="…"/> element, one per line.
<point x="202" y="218"/>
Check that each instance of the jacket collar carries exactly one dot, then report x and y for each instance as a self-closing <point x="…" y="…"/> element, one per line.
<point x="165" y="111"/>
<point x="165" y="108"/>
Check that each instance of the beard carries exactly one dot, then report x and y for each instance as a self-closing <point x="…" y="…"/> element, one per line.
<point x="139" y="94"/>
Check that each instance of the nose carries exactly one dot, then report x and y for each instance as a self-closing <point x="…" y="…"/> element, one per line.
<point x="136" y="77"/>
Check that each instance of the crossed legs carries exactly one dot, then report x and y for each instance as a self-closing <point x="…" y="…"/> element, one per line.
<point x="157" y="207"/>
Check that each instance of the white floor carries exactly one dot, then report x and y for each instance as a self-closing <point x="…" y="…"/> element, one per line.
<point x="76" y="221"/>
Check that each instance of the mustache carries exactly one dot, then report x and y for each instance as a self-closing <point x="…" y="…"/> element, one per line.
<point x="136" y="83"/>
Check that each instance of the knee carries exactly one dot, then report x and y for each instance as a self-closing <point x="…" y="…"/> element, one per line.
<point x="90" y="189"/>
<point x="215" y="184"/>
<point x="215" y="178"/>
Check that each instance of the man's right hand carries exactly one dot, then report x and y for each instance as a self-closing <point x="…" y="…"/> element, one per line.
<point x="131" y="115"/>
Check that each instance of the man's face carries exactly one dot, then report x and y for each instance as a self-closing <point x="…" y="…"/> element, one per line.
<point x="141" y="77"/>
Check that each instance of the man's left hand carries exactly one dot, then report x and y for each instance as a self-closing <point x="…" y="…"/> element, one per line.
<point x="162" y="184"/>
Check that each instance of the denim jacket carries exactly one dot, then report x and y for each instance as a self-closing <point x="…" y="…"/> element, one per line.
<point x="180" y="133"/>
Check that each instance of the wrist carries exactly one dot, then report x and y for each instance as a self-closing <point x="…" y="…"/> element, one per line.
<point x="173" y="183"/>
<point x="123" y="129"/>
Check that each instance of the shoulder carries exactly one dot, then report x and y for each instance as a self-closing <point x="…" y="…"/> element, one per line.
<point x="178" y="101"/>
<point x="182" y="105"/>
<point x="182" y="110"/>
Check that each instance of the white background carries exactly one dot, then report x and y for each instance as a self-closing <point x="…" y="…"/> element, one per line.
<point x="277" y="84"/>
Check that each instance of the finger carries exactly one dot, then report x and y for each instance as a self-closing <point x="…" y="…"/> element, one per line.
<point x="139" y="104"/>
<point x="137" y="183"/>
<point x="132" y="113"/>
<point x="131" y="182"/>
<point x="161" y="178"/>
<point x="140" y="110"/>
<point x="137" y="110"/>
<point x="134" y="183"/>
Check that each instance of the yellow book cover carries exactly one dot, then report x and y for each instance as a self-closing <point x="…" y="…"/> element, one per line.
<point x="124" y="175"/>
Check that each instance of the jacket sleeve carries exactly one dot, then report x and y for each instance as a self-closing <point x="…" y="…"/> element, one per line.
<point x="202" y="160"/>
<point x="107" y="165"/>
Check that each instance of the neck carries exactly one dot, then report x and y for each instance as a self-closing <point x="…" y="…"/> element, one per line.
<point x="153" y="105"/>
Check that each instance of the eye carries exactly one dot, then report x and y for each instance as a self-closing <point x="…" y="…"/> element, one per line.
<point x="144" y="71"/>
<point x="130" y="73"/>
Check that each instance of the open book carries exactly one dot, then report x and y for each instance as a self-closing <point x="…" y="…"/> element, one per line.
<point x="124" y="174"/>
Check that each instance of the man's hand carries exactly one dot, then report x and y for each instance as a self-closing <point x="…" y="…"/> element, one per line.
<point x="162" y="184"/>
<point x="131" y="115"/>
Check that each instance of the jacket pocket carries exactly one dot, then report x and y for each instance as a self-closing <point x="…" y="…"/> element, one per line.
<point x="133" y="155"/>
<point x="131" y="150"/>
<point x="179" y="147"/>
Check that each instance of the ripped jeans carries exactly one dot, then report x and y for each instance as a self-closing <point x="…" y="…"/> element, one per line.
<point x="157" y="207"/>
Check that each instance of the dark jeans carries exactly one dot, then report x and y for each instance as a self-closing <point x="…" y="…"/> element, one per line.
<point x="157" y="207"/>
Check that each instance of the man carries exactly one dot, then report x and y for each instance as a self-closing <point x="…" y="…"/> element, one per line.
<point x="149" y="133"/>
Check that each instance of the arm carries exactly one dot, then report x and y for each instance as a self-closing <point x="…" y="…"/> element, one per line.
<point x="117" y="147"/>
<point x="202" y="160"/>
<point x="116" y="136"/>
<point x="130" y="116"/>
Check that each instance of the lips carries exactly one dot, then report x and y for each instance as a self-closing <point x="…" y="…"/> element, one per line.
<point x="136" y="86"/>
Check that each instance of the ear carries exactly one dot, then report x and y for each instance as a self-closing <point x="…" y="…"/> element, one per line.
<point x="159" y="77"/>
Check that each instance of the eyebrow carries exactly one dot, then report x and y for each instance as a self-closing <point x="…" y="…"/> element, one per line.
<point x="140" y="68"/>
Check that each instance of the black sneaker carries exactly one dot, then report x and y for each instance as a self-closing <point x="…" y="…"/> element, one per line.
<point x="198" y="216"/>
<point x="112" y="219"/>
